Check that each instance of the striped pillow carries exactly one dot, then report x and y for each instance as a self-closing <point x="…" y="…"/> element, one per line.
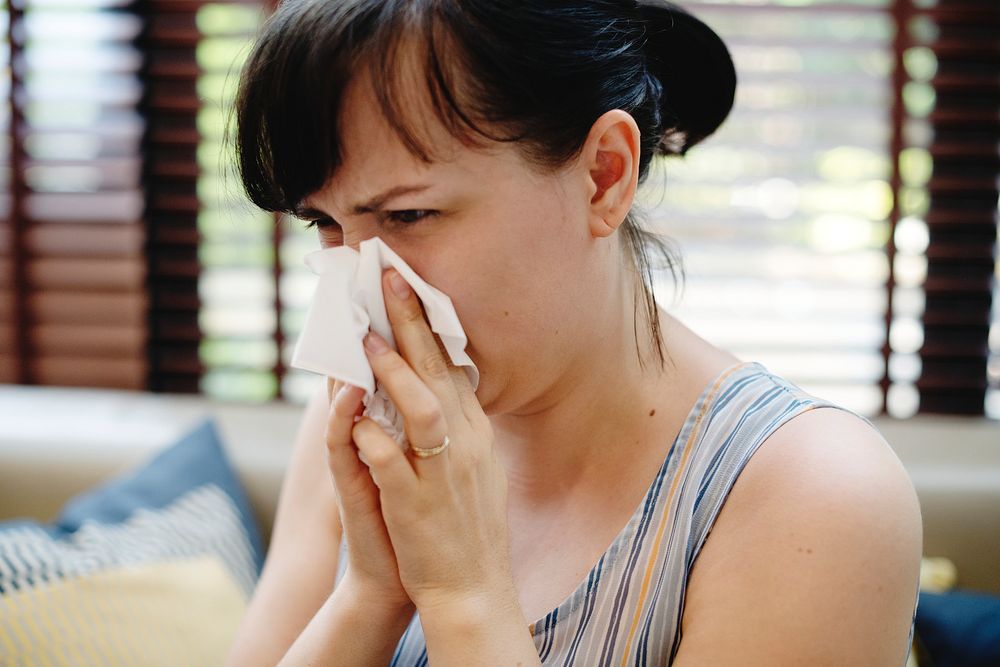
<point x="171" y="549"/>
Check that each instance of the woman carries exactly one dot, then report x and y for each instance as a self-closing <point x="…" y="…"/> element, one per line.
<point x="559" y="513"/>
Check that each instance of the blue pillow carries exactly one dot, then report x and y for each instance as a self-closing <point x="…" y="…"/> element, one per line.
<point x="960" y="628"/>
<point x="184" y="503"/>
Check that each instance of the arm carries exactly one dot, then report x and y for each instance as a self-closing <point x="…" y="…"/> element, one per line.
<point x="486" y="632"/>
<point x="814" y="558"/>
<point x="301" y="562"/>
<point x="299" y="573"/>
<point x="349" y="629"/>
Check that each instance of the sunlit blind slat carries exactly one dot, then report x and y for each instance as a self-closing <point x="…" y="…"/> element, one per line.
<point x="239" y="317"/>
<point x="782" y="216"/>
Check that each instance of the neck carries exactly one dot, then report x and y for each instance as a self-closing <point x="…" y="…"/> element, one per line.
<point x="588" y="424"/>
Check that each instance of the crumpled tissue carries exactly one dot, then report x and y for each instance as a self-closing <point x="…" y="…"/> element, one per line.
<point x="347" y="302"/>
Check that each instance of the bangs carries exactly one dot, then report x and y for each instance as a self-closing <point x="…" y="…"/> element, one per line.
<point x="291" y="89"/>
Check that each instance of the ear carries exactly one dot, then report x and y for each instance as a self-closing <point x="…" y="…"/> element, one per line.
<point x="610" y="158"/>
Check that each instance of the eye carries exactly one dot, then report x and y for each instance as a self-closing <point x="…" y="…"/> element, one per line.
<point x="321" y="223"/>
<point x="410" y="216"/>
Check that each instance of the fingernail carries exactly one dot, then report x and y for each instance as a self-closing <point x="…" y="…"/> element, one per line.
<point x="343" y="394"/>
<point x="399" y="286"/>
<point x="375" y="343"/>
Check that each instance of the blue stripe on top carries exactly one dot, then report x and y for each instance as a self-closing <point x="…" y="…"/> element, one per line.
<point x="628" y="609"/>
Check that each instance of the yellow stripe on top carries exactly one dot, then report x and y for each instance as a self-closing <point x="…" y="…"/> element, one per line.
<point x="664" y="520"/>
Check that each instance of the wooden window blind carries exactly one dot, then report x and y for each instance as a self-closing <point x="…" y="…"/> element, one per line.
<point x="72" y="292"/>
<point x="254" y="286"/>
<point x="953" y="52"/>
<point x="171" y="173"/>
<point x="840" y="228"/>
<point x="11" y="234"/>
<point x="242" y="248"/>
<point x="782" y="216"/>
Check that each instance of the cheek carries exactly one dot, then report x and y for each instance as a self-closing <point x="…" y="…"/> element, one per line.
<point x="518" y="293"/>
<point x="492" y="306"/>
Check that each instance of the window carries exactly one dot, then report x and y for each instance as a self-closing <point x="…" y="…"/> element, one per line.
<point x="239" y="315"/>
<point x="72" y="294"/>
<point x="845" y="216"/>
<point x="782" y="216"/>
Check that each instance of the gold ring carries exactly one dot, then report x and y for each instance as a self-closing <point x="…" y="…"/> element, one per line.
<point x="425" y="452"/>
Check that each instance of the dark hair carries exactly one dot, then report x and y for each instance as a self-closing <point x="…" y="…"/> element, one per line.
<point x="537" y="73"/>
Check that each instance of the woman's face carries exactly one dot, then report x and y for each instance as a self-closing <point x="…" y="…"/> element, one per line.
<point x="508" y="244"/>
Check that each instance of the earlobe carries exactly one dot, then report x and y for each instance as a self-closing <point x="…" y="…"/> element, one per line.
<point x="600" y="228"/>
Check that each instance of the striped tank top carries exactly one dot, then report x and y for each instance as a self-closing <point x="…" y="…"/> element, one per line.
<point x="628" y="610"/>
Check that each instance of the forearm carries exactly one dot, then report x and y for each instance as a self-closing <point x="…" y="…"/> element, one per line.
<point x="488" y="633"/>
<point x="349" y="630"/>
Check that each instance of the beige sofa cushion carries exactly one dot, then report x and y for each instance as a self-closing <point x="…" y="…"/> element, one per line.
<point x="55" y="443"/>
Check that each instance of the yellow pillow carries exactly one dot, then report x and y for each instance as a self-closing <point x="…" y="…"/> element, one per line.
<point x="181" y="612"/>
<point x="937" y="575"/>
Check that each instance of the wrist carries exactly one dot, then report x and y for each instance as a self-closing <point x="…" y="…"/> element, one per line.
<point x="470" y="612"/>
<point x="353" y="627"/>
<point x="478" y="630"/>
<point x="357" y="594"/>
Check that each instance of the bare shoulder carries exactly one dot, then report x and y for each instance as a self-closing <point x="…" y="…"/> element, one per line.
<point x="815" y="556"/>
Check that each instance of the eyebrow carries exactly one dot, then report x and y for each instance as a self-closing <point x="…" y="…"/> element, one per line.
<point x="371" y="206"/>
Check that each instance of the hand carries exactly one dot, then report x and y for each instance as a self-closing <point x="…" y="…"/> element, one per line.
<point x="446" y="515"/>
<point x="371" y="563"/>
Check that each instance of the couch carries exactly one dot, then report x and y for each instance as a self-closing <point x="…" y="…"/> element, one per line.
<point x="56" y="442"/>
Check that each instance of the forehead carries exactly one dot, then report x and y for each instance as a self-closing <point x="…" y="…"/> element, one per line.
<point x="370" y="143"/>
<point x="375" y="158"/>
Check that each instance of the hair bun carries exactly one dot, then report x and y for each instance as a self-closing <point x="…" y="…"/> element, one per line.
<point x="695" y="70"/>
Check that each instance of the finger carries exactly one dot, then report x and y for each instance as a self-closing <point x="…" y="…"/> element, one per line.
<point x="332" y="387"/>
<point x="387" y="464"/>
<point x="423" y="416"/>
<point x="416" y="341"/>
<point x="463" y="387"/>
<point x="357" y="494"/>
<point x="342" y="457"/>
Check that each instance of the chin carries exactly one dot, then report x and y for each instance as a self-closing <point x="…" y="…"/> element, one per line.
<point x="487" y="395"/>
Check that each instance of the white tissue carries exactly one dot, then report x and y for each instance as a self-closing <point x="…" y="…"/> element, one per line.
<point x="348" y="300"/>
